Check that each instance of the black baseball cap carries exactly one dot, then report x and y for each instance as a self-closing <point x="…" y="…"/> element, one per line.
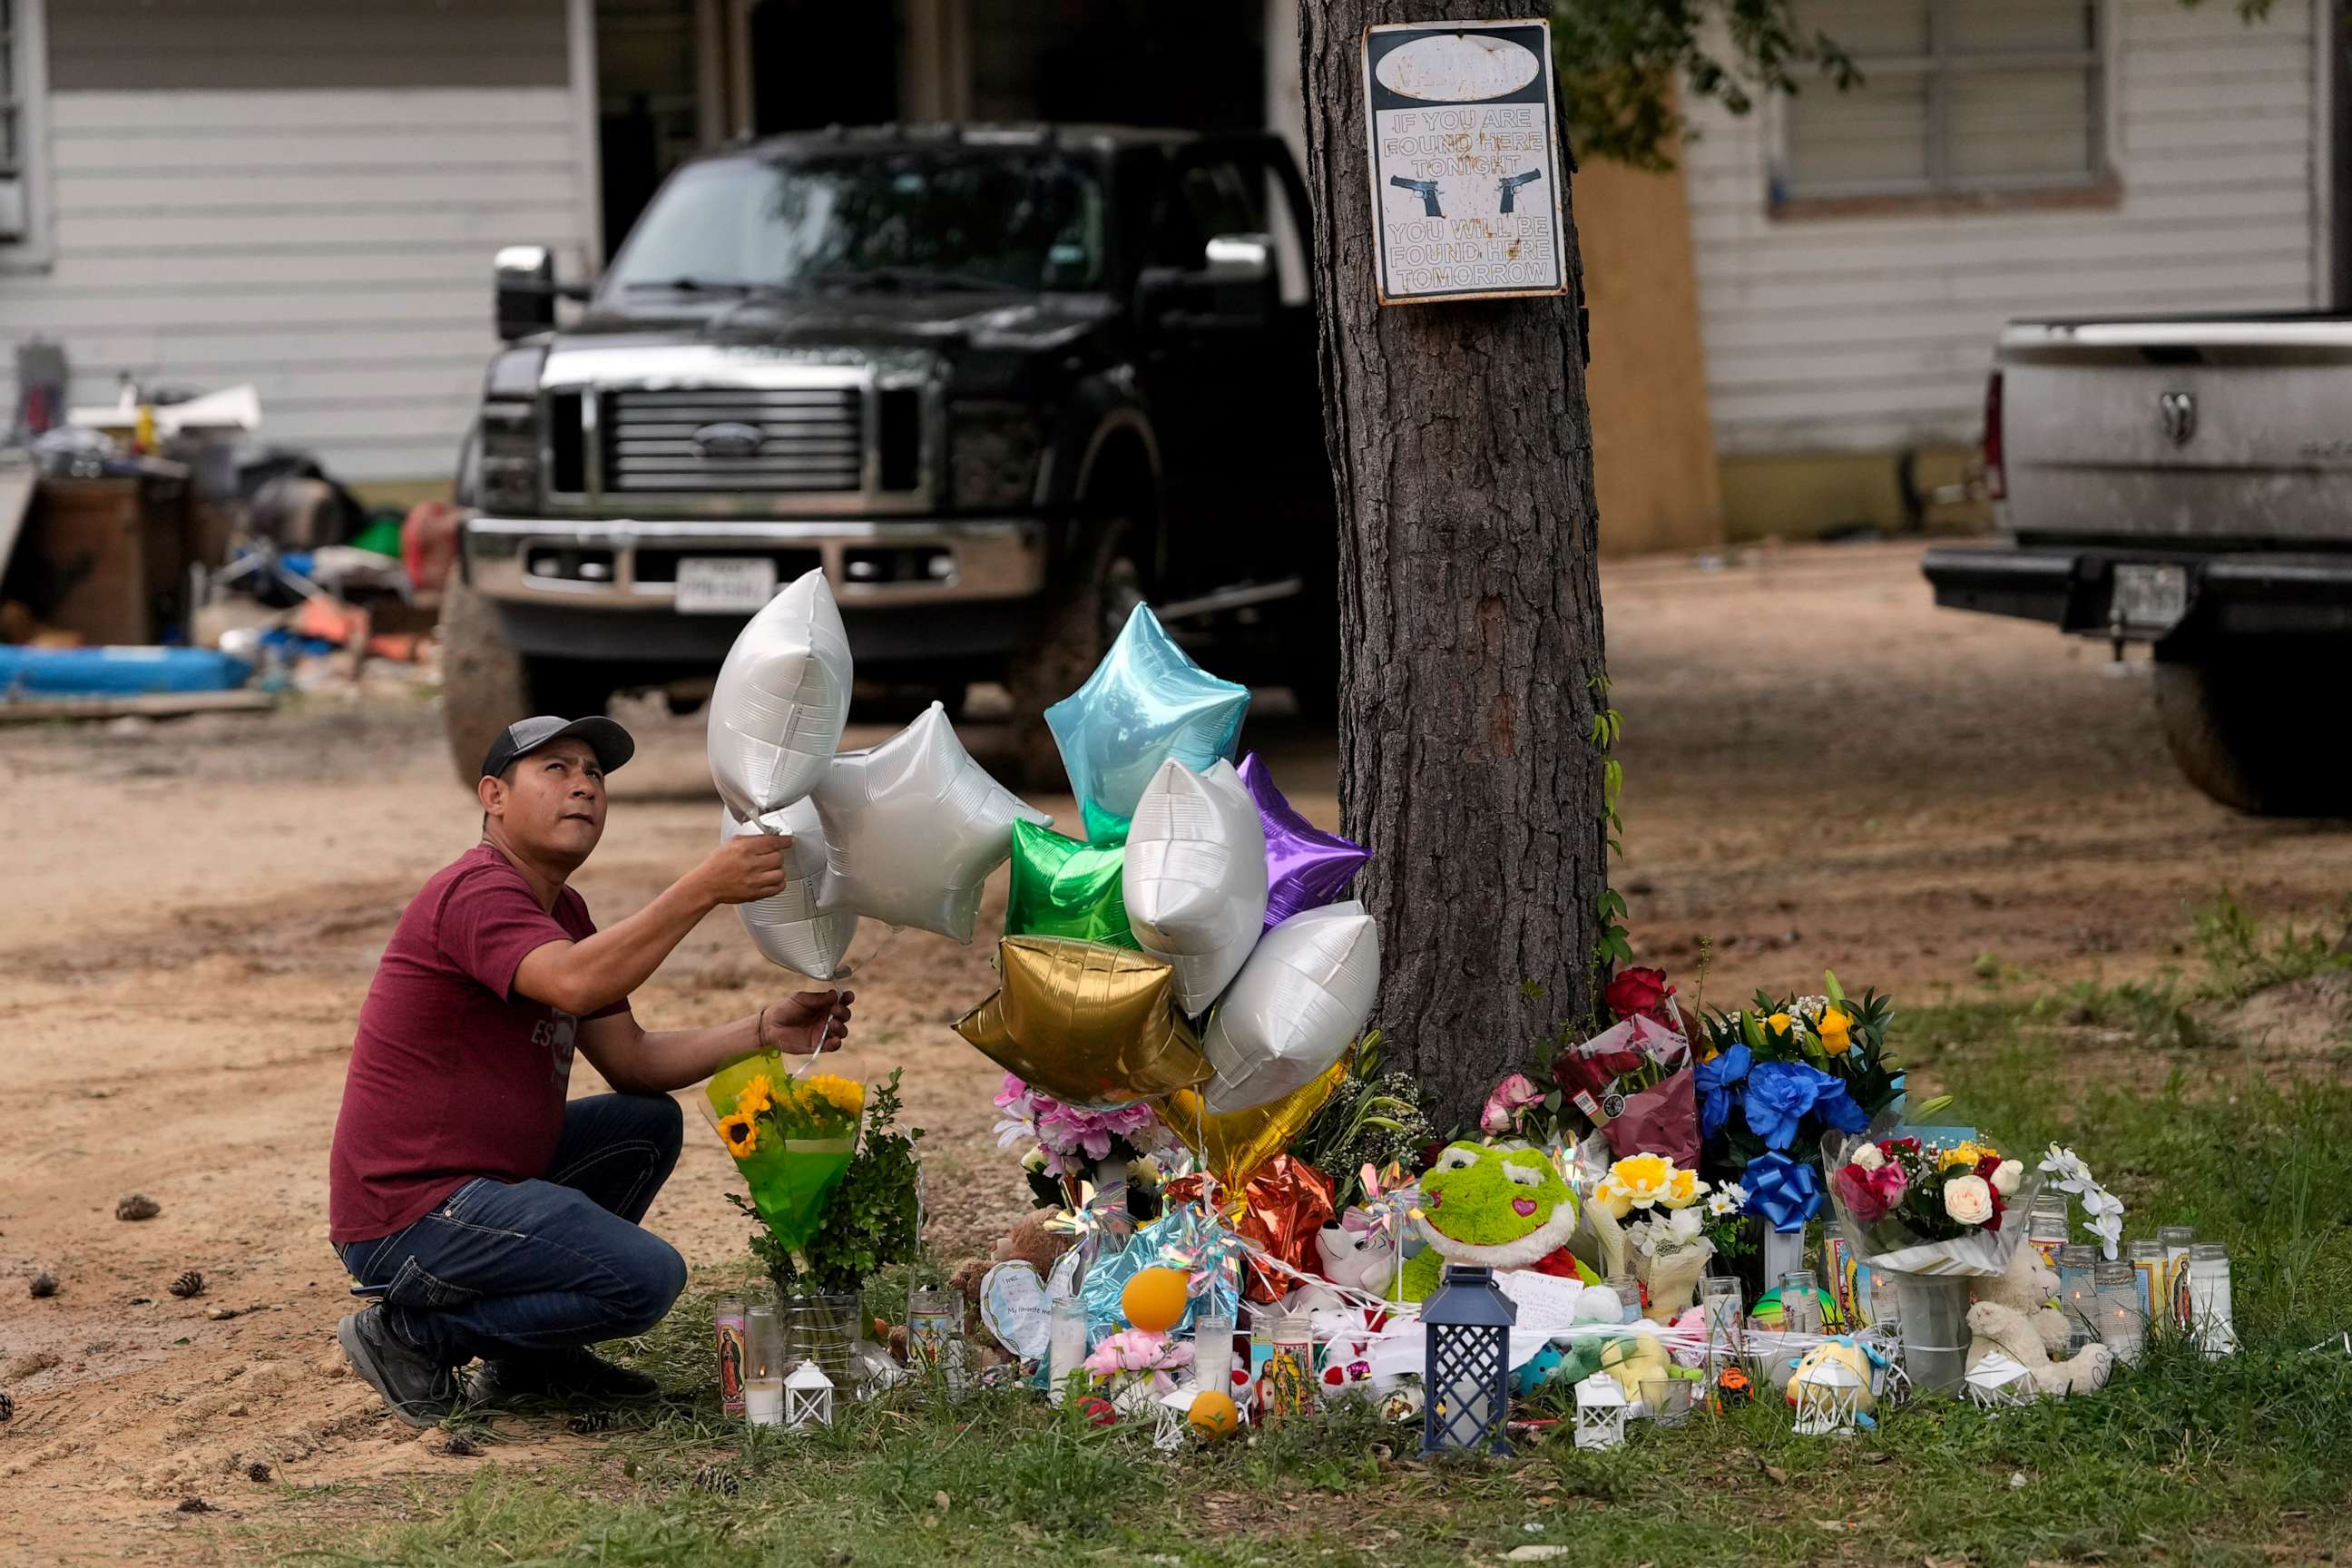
<point x="607" y="739"/>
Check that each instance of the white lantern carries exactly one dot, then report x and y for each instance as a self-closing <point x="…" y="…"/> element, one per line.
<point x="1884" y="1337"/>
<point x="1829" y="1400"/>
<point x="1600" y="1406"/>
<point x="2000" y="1382"/>
<point x="808" y="1398"/>
<point x="1173" y="1420"/>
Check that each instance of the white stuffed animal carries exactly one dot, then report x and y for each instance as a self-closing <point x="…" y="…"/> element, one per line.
<point x="1358" y="1257"/>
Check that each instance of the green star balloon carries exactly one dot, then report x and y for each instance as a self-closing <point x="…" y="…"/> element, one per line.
<point x="1064" y="888"/>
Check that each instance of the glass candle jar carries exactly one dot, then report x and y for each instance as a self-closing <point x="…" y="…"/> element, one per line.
<point x="1629" y="1297"/>
<point x="2078" y="1292"/>
<point x="1066" y="1345"/>
<point x="1800" y="1302"/>
<point x="1212" y="1350"/>
<point x="935" y="1336"/>
<point x="727" y="1329"/>
<point x="763" y="1342"/>
<point x="1723" y="1312"/>
<point x="2210" y="1318"/>
<point x="1287" y="1386"/>
<point x="2045" y="1228"/>
<point x="2147" y="1260"/>
<point x="2122" y="1327"/>
<point x="2176" y="1240"/>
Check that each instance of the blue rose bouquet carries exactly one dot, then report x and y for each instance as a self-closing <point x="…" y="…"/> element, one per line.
<point x="1776" y="1077"/>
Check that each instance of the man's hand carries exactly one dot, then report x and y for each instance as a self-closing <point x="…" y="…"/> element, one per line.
<point x="743" y="870"/>
<point x="806" y="1023"/>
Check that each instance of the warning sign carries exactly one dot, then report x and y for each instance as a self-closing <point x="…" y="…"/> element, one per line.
<point x="1465" y="172"/>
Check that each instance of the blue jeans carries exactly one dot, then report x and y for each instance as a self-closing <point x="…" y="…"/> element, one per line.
<point x="503" y="1269"/>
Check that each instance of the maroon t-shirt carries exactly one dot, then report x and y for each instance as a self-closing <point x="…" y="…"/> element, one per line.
<point x="452" y="1075"/>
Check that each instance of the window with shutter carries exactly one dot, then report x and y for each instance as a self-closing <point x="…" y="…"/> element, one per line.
<point x="1956" y="96"/>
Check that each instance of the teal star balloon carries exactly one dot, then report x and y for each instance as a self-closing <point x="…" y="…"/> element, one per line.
<point x="1146" y="702"/>
<point x="1064" y="888"/>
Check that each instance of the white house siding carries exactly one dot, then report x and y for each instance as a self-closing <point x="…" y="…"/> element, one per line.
<point x="320" y="223"/>
<point x="1872" y="333"/>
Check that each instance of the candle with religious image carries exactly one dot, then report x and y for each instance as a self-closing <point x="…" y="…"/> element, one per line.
<point x="726" y="1327"/>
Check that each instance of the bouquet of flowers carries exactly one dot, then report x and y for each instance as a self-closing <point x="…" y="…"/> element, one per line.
<point x="1072" y="1145"/>
<point x="1908" y="1202"/>
<point x="1776" y="1078"/>
<point x="792" y="1139"/>
<point x="1648" y="1204"/>
<point x="1630" y="1081"/>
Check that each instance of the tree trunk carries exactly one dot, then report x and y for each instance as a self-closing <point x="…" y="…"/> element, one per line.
<point x="1461" y="450"/>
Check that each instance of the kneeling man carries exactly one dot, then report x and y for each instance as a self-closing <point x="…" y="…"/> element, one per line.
<point x="489" y="1216"/>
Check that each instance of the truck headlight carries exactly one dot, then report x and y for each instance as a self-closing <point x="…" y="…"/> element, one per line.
<point x="509" y="457"/>
<point x="992" y="452"/>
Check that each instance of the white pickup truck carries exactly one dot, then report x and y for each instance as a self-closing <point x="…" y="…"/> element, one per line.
<point x="2186" y="482"/>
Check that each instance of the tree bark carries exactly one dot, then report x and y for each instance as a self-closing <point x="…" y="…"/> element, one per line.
<point x="1461" y="450"/>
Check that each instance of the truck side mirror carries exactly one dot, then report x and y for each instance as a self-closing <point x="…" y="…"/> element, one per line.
<point x="1235" y="287"/>
<point x="525" y="291"/>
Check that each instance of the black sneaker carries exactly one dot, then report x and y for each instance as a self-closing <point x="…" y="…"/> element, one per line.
<point x="572" y="1376"/>
<point x="415" y="1387"/>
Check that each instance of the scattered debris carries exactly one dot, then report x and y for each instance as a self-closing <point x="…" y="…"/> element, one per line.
<point x="457" y="1446"/>
<point x="190" y="1283"/>
<point x="591" y="1421"/>
<point x="7" y="1406"/>
<point x="143" y="1300"/>
<point x="257" y="1471"/>
<point x="220" y="1314"/>
<point x="195" y="1505"/>
<point x="137" y="1206"/>
<point x="42" y="1284"/>
<point x="711" y="1478"/>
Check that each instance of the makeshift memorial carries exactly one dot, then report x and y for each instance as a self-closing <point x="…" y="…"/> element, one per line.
<point x="914" y="828"/>
<point x="1064" y="887"/>
<point x="1089" y="1024"/>
<point x="1467" y="1371"/>
<point x="1497" y="1208"/>
<point x="1994" y="1328"/>
<point x="1194" y="880"/>
<point x="1189" y="1242"/>
<point x="808" y="1398"/>
<point x="1306" y="867"/>
<point x="1146" y="704"/>
<point x="794" y="928"/>
<point x="780" y="701"/>
<point x="1300" y="996"/>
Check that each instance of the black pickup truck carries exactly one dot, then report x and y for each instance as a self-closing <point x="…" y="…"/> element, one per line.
<point x="1001" y="383"/>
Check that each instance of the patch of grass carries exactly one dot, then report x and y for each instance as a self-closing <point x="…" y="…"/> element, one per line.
<point x="2246" y="1460"/>
<point x="2240" y="959"/>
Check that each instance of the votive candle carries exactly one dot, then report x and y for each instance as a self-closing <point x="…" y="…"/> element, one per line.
<point x="2209" y="1314"/>
<point x="2122" y="1326"/>
<point x="763" y="1401"/>
<point x="2176" y="1240"/>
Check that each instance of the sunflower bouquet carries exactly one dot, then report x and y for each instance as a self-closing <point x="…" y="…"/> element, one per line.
<point x="792" y="1138"/>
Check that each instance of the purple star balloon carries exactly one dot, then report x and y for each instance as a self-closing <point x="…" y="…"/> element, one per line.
<point x="1306" y="867"/>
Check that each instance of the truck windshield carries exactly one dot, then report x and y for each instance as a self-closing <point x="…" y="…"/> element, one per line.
<point x="926" y="219"/>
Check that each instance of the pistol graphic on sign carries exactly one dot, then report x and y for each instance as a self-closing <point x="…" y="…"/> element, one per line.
<point x="1427" y="191"/>
<point x="1509" y="185"/>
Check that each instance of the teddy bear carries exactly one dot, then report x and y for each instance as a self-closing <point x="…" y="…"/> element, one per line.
<point x="1033" y="1244"/>
<point x="1995" y="1326"/>
<point x="2030" y="1286"/>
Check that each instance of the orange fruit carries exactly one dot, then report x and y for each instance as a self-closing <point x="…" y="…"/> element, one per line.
<point x="1154" y="1300"/>
<point x="1214" y="1415"/>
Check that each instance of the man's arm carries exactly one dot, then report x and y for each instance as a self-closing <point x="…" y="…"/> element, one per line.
<point x="581" y="978"/>
<point x="638" y="1062"/>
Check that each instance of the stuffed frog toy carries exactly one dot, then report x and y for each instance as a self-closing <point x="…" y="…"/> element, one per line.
<point x="1505" y="1208"/>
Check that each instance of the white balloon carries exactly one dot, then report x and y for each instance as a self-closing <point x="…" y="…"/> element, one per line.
<point x="795" y="928"/>
<point x="1194" y="878"/>
<point x="782" y="697"/>
<point x="914" y="826"/>
<point x="1305" y="992"/>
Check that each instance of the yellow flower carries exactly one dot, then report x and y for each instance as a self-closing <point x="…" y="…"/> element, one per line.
<point x="1778" y="1021"/>
<point x="1645" y="1176"/>
<point x="1964" y="1153"/>
<point x="757" y="1096"/>
<point x="740" y="1134"/>
<point x="1682" y="1189"/>
<point x="844" y="1094"/>
<point x="1611" y="1197"/>
<point x="1837" y="1032"/>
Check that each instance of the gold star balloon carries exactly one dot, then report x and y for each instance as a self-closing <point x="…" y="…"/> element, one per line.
<point x="1090" y="1024"/>
<point x="1235" y="1146"/>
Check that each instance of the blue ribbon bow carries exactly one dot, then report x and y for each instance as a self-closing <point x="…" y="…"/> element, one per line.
<point x="1785" y="1192"/>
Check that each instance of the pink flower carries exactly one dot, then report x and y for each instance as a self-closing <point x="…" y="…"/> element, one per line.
<point x="1511" y="1096"/>
<point x="1133" y="1350"/>
<point x="1869" y="1195"/>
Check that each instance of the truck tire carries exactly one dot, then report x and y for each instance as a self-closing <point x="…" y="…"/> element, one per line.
<point x="486" y="685"/>
<point x="1068" y="633"/>
<point x="2238" y="723"/>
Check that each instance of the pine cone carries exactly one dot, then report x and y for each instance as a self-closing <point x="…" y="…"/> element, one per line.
<point x="137" y="1206"/>
<point x="43" y="1284"/>
<point x="592" y="1421"/>
<point x="257" y="1471"/>
<point x="711" y="1478"/>
<point x="7" y="1405"/>
<point x="189" y="1284"/>
<point x="458" y="1445"/>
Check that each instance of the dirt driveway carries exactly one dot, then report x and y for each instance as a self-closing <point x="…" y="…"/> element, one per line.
<point x="1820" y="768"/>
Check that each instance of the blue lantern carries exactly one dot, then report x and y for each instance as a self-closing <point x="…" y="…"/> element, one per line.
<point x="1466" y="1386"/>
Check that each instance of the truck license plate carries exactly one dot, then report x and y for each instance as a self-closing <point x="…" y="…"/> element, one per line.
<point x="2152" y="597"/>
<point x="724" y="585"/>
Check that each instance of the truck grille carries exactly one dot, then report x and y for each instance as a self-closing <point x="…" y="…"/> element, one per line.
<point x="808" y="439"/>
